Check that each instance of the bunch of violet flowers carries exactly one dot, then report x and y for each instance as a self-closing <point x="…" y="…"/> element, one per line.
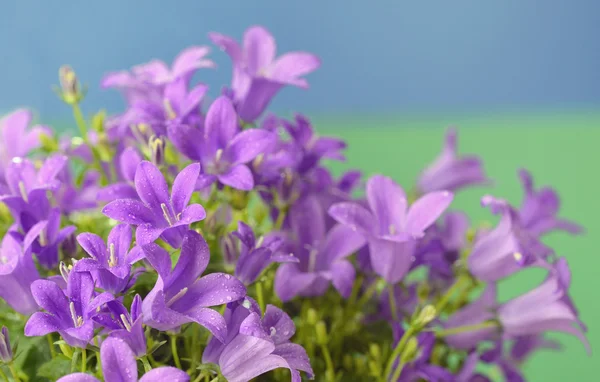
<point x="197" y="239"/>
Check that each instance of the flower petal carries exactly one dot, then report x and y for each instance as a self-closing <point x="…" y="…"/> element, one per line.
<point x="220" y="125"/>
<point x="118" y="361"/>
<point x="211" y="320"/>
<point x="128" y="162"/>
<point x="183" y="186"/>
<point x="94" y="246"/>
<point x="295" y="355"/>
<point x="239" y="177"/>
<point x="210" y="290"/>
<point x="192" y="214"/>
<point x="40" y="324"/>
<point x="78" y="377"/>
<point x="283" y="327"/>
<point x="187" y="139"/>
<point x="425" y="211"/>
<point x="120" y="238"/>
<point x="259" y="48"/>
<point x="159" y="259"/>
<point x="289" y="281"/>
<point x="151" y="186"/>
<point x="49" y="296"/>
<point x="342" y="277"/>
<point x="129" y="211"/>
<point x="165" y="373"/>
<point x="147" y="233"/>
<point x="247" y="357"/>
<point x="192" y="262"/>
<point x="191" y="59"/>
<point x="228" y="45"/>
<point x="391" y="260"/>
<point x="353" y="215"/>
<point x="248" y="144"/>
<point x="117" y="191"/>
<point x="290" y="66"/>
<point x="387" y="200"/>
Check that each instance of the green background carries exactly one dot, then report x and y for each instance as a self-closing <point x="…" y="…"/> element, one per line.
<point x="560" y="149"/>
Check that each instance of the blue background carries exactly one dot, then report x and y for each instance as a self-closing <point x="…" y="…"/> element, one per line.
<point x="378" y="56"/>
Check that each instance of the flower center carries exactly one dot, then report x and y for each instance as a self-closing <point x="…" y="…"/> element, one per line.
<point x="112" y="259"/>
<point x="167" y="214"/>
<point x="179" y="295"/>
<point x="65" y="270"/>
<point x="77" y="320"/>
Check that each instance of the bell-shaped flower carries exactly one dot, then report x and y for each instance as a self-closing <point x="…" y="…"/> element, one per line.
<point x="257" y="74"/>
<point x="451" y="172"/>
<point x="222" y="149"/>
<point x="15" y="140"/>
<point x="121" y="324"/>
<point x="322" y="254"/>
<point x="119" y="364"/>
<point x="46" y="237"/>
<point x="251" y="256"/>
<point x="110" y="263"/>
<point x="181" y="296"/>
<point x="255" y="346"/>
<point x="17" y="272"/>
<point x="507" y="248"/>
<point x="68" y="312"/>
<point x="390" y="227"/>
<point x="158" y="214"/>
<point x="539" y="209"/>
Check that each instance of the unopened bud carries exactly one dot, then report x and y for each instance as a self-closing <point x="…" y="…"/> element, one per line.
<point x="410" y="351"/>
<point x="65" y="349"/>
<point x="312" y="317"/>
<point x="157" y="150"/>
<point x="6" y="354"/>
<point x="321" y="331"/>
<point x="375" y="351"/>
<point x="98" y="121"/>
<point x="427" y="314"/>
<point x="69" y="85"/>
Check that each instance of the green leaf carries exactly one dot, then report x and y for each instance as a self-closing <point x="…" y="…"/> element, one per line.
<point x="55" y="368"/>
<point x="156" y="346"/>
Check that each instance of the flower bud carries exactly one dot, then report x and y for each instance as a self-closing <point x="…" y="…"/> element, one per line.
<point x="65" y="349"/>
<point x="157" y="150"/>
<point x="427" y="314"/>
<point x="375" y="351"/>
<point x="69" y="85"/>
<point x="410" y="351"/>
<point x="311" y="316"/>
<point x="321" y="331"/>
<point x="6" y="354"/>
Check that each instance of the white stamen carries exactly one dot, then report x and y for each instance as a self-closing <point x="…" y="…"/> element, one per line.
<point x="125" y="322"/>
<point x="167" y="214"/>
<point x="392" y="229"/>
<point x="177" y="296"/>
<point x="273" y="331"/>
<point x="259" y="241"/>
<point x="23" y="191"/>
<point x="169" y="109"/>
<point x="77" y="320"/>
<point x="218" y="154"/>
<point x="246" y="304"/>
<point x="112" y="259"/>
<point x="312" y="259"/>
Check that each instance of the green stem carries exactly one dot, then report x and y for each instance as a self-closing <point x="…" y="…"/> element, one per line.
<point x="3" y="374"/>
<point x="83" y="360"/>
<point x="11" y="367"/>
<point x="398" y="371"/>
<point x="466" y="328"/>
<point x="280" y="219"/>
<point x="174" y="351"/>
<point x="458" y="285"/>
<point x="81" y="124"/>
<point x="330" y="369"/>
<point x="397" y="351"/>
<point x="259" y="296"/>
<point x="146" y="364"/>
<point x="368" y="294"/>
<point x="392" y="301"/>
<point x="51" y="345"/>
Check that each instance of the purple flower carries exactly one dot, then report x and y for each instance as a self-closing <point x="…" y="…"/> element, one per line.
<point x="507" y="248"/>
<point x="17" y="272"/>
<point x="27" y="189"/>
<point x="110" y="265"/>
<point x="322" y="254"/>
<point x="179" y="296"/>
<point x="391" y="229"/>
<point x="313" y="148"/>
<point x="253" y="256"/>
<point x="76" y="197"/>
<point x="542" y="309"/>
<point x="157" y="214"/>
<point x="45" y="238"/>
<point x="69" y="312"/>
<point x="450" y="171"/>
<point x="125" y="188"/>
<point x="255" y="346"/>
<point x="222" y="149"/>
<point x="125" y="326"/>
<point x="119" y="364"/>
<point x="539" y="209"/>
<point x="15" y="140"/>
<point x="480" y="310"/>
<point x="257" y="75"/>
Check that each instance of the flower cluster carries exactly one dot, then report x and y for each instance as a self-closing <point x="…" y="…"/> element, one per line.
<point x="189" y="240"/>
